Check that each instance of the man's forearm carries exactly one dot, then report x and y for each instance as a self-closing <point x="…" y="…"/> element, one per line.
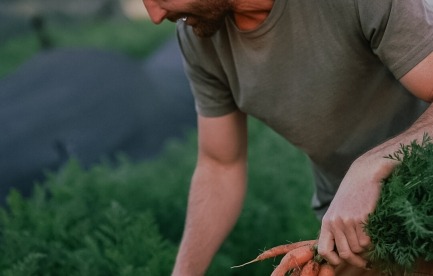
<point x="215" y="201"/>
<point x="423" y="125"/>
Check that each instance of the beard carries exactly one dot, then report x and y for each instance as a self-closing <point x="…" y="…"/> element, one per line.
<point x="214" y="14"/>
<point x="207" y="28"/>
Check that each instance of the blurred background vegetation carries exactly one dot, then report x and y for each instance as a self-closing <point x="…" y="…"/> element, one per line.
<point x="127" y="219"/>
<point x="27" y="33"/>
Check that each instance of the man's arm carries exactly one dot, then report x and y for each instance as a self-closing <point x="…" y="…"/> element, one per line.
<point x="217" y="191"/>
<point x="342" y="225"/>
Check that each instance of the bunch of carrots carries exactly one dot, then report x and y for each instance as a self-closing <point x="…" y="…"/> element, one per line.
<point x="300" y="259"/>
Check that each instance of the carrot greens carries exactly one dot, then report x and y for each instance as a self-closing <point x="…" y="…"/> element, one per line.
<point x="401" y="226"/>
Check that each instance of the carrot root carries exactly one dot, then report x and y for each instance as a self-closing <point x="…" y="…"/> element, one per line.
<point x="296" y="272"/>
<point x="295" y="258"/>
<point x="326" y="270"/>
<point x="278" y="250"/>
<point x="247" y="263"/>
<point x="311" y="268"/>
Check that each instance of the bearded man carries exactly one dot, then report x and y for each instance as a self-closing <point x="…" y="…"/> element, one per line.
<point x="346" y="81"/>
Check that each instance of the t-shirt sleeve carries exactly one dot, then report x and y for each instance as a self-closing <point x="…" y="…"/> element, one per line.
<point x="400" y="32"/>
<point x="206" y="76"/>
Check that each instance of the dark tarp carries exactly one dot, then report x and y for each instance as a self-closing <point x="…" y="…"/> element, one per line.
<point x="88" y="104"/>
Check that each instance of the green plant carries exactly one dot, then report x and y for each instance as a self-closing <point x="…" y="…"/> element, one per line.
<point x="401" y="227"/>
<point x="82" y="236"/>
<point x="127" y="218"/>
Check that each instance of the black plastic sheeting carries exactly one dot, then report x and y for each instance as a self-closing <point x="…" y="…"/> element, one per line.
<point x="89" y="104"/>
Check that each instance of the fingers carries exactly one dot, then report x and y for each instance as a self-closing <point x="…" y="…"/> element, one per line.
<point x="350" y="240"/>
<point x="326" y="246"/>
<point x="348" y="247"/>
<point x="341" y="241"/>
<point x="363" y="240"/>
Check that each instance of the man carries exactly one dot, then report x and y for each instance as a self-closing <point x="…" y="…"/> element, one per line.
<point x="347" y="81"/>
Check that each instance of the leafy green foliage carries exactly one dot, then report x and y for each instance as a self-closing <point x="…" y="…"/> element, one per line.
<point x="82" y="236"/>
<point x="401" y="227"/>
<point x="127" y="218"/>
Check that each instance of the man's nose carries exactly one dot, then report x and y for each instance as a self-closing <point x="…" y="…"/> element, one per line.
<point x="156" y="13"/>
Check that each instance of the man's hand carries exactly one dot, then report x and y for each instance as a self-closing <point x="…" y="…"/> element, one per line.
<point x="342" y="236"/>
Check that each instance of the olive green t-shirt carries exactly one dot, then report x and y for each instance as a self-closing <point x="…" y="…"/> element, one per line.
<point x="322" y="73"/>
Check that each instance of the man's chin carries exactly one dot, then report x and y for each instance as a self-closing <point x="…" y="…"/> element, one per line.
<point x="206" y="30"/>
<point x="203" y="34"/>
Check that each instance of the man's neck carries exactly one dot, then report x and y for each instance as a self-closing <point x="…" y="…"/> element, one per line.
<point x="249" y="14"/>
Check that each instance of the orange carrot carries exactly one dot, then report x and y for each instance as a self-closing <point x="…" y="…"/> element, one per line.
<point x="295" y="258"/>
<point x="278" y="250"/>
<point x="311" y="268"/>
<point x="296" y="271"/>
<point x="326" y="270"/>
